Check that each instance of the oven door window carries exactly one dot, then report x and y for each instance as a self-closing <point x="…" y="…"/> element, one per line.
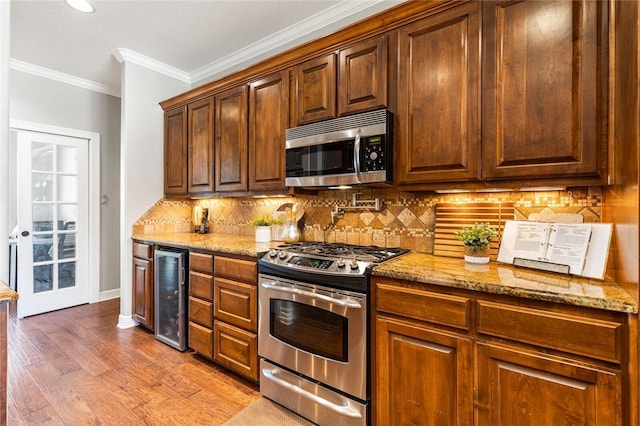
<point x="310" y="329"/>
<point x="333" y="158"/>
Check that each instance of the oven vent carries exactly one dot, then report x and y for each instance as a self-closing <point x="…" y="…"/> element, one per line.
<point x="452" y="217"/>
<point x="370" y="118"/>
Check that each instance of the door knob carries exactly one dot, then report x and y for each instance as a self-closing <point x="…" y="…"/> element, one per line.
<point x="25" y="233"/>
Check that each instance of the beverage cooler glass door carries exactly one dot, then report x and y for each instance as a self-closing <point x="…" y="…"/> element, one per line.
<point x="170" y="290"/>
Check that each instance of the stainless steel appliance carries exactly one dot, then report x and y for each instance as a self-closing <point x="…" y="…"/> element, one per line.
<point x="313" y="329"/>
<point x="170" y="296"/>
<point x="342" y="151"/>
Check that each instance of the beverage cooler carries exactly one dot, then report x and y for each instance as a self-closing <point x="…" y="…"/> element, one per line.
<point x="170" y="296"/>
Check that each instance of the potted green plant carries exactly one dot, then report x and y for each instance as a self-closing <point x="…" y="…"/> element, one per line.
<point x="476" y="241"/>
<point x="263" y="228"/>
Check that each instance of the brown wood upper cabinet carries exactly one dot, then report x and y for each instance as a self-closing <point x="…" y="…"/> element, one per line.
<point x="359" y="83"/>
<point x="362" y="76"/>
<point x="200" y="146"/>
<point x="542" y="86"/>
<point x="544" y="89"/>
<point x="315" y="90"/>
<point x="188" y="149"/>
<point x="438" y="98"/>
<point x="231" y="139"/>
<point x="268" y="120"/>
<point x="175" y="151"/>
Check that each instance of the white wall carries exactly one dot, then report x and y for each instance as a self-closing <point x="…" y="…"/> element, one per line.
<point x="45" y="101"/>
<point x="5" y="37"/>
<point x="142" y="159"/>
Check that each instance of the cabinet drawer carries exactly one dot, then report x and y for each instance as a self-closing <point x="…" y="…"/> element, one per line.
<point x="243" y="270"/>
<point x="235" y="303"/>
<point x="201" y="262"/>
<point x="594" y="338"/>
<point x="236" y="349"/>
<point x="453" y="311"/>
<point x="201" y="285"/>
<point x="144" y="251"/>
<point x="201" y="339"/>
<point x="201" y="312"/>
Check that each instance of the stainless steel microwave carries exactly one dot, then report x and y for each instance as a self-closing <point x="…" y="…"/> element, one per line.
<point x="342" y="151"/>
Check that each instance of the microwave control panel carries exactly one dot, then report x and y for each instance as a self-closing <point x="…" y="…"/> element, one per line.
<point x="374" y="153"/>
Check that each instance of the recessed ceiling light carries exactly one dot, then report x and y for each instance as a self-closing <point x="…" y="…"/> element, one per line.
<point x="81" y="5"/>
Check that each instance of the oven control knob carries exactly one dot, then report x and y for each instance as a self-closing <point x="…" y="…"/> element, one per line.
<point x="354" y="264"/>
<point x="282" y="254"/>
<point x="373" y="156"/>
<point x="273" y="253"/>
<point x="340" y="263"/>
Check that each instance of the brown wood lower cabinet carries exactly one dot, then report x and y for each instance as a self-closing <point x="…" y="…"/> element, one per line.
<point x="455" y="357"/>
<point x="424" y="375"/>
<point x="236" y="349"/>
<point x="142" y="283"/>
<point x="201" y="339"/>
<point x="223" y="309"/>
<point x="519" y="387"/>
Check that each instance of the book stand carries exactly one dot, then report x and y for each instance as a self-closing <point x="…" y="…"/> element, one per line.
<point x="541" y="265"/>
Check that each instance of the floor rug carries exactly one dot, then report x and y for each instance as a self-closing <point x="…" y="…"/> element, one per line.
<point x="263" y="412"/>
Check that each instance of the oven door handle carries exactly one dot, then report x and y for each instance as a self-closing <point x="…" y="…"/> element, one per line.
<point x="344" y="409"/>
<point x="349" y="303"/>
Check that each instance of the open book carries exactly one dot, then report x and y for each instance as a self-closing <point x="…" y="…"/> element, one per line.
<point x="559" y="243"/>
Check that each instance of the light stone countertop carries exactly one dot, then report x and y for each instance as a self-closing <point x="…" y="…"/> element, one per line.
<point x="224" y="243"/>
<point x="501" y="278"/>
<point x="497" y="278"/>
<point x="6" y="294"/>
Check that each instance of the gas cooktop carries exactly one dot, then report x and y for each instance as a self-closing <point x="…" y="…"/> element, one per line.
<point x="328" y="259"/>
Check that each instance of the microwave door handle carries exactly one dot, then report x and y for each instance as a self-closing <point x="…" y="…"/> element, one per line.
<point x="348" y="303"/>
<point x="356" y="156"/>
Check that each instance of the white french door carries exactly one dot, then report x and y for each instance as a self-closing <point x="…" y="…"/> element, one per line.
<point x="53" y="222"/>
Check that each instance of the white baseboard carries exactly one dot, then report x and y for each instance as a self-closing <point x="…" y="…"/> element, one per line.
<point x="109" y="294"/>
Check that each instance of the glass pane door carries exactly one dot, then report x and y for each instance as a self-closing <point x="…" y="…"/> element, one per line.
<point x="52" y="211"/>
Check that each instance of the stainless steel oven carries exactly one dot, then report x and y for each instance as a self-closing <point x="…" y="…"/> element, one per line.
<point x="320" y="333"/>
<point x="313" y="332"/>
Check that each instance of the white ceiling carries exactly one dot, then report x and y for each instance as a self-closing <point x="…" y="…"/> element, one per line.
<point x="196" y="41"/>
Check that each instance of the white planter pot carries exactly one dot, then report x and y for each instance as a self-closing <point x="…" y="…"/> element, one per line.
<point x="263" y="234"/>
<point x="479" y="260"/>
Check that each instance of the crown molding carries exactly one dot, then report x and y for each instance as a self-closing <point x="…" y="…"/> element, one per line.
<point x="290" y="34"/>
<point x="39" y="71"/>
<point x="127" y="55"/>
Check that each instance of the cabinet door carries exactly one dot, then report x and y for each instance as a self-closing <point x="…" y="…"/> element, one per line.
<point x="525" y="388"/>
<point x="231" y="140"/>
<point x="544" y="88"/>
<point x="236" y="303"/>
<point x="175" y="151"/>
<point x="236" y="349"/>
<point x="200" y="169"/>
<point x="424" y="376"/>
<point x="438" y="98"/>
<point x="362" y="76"/>
<point x="315" y="90"/>
<point x="268" y="121"/>
<point x="143" y="302"/>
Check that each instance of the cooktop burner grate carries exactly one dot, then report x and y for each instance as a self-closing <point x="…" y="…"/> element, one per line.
<point x="372" y="254"/>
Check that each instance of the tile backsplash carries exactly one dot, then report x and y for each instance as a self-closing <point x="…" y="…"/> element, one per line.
<point x="406" y="219"/>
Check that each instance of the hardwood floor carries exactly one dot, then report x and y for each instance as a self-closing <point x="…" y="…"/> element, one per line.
<point x="75" y="367"/>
